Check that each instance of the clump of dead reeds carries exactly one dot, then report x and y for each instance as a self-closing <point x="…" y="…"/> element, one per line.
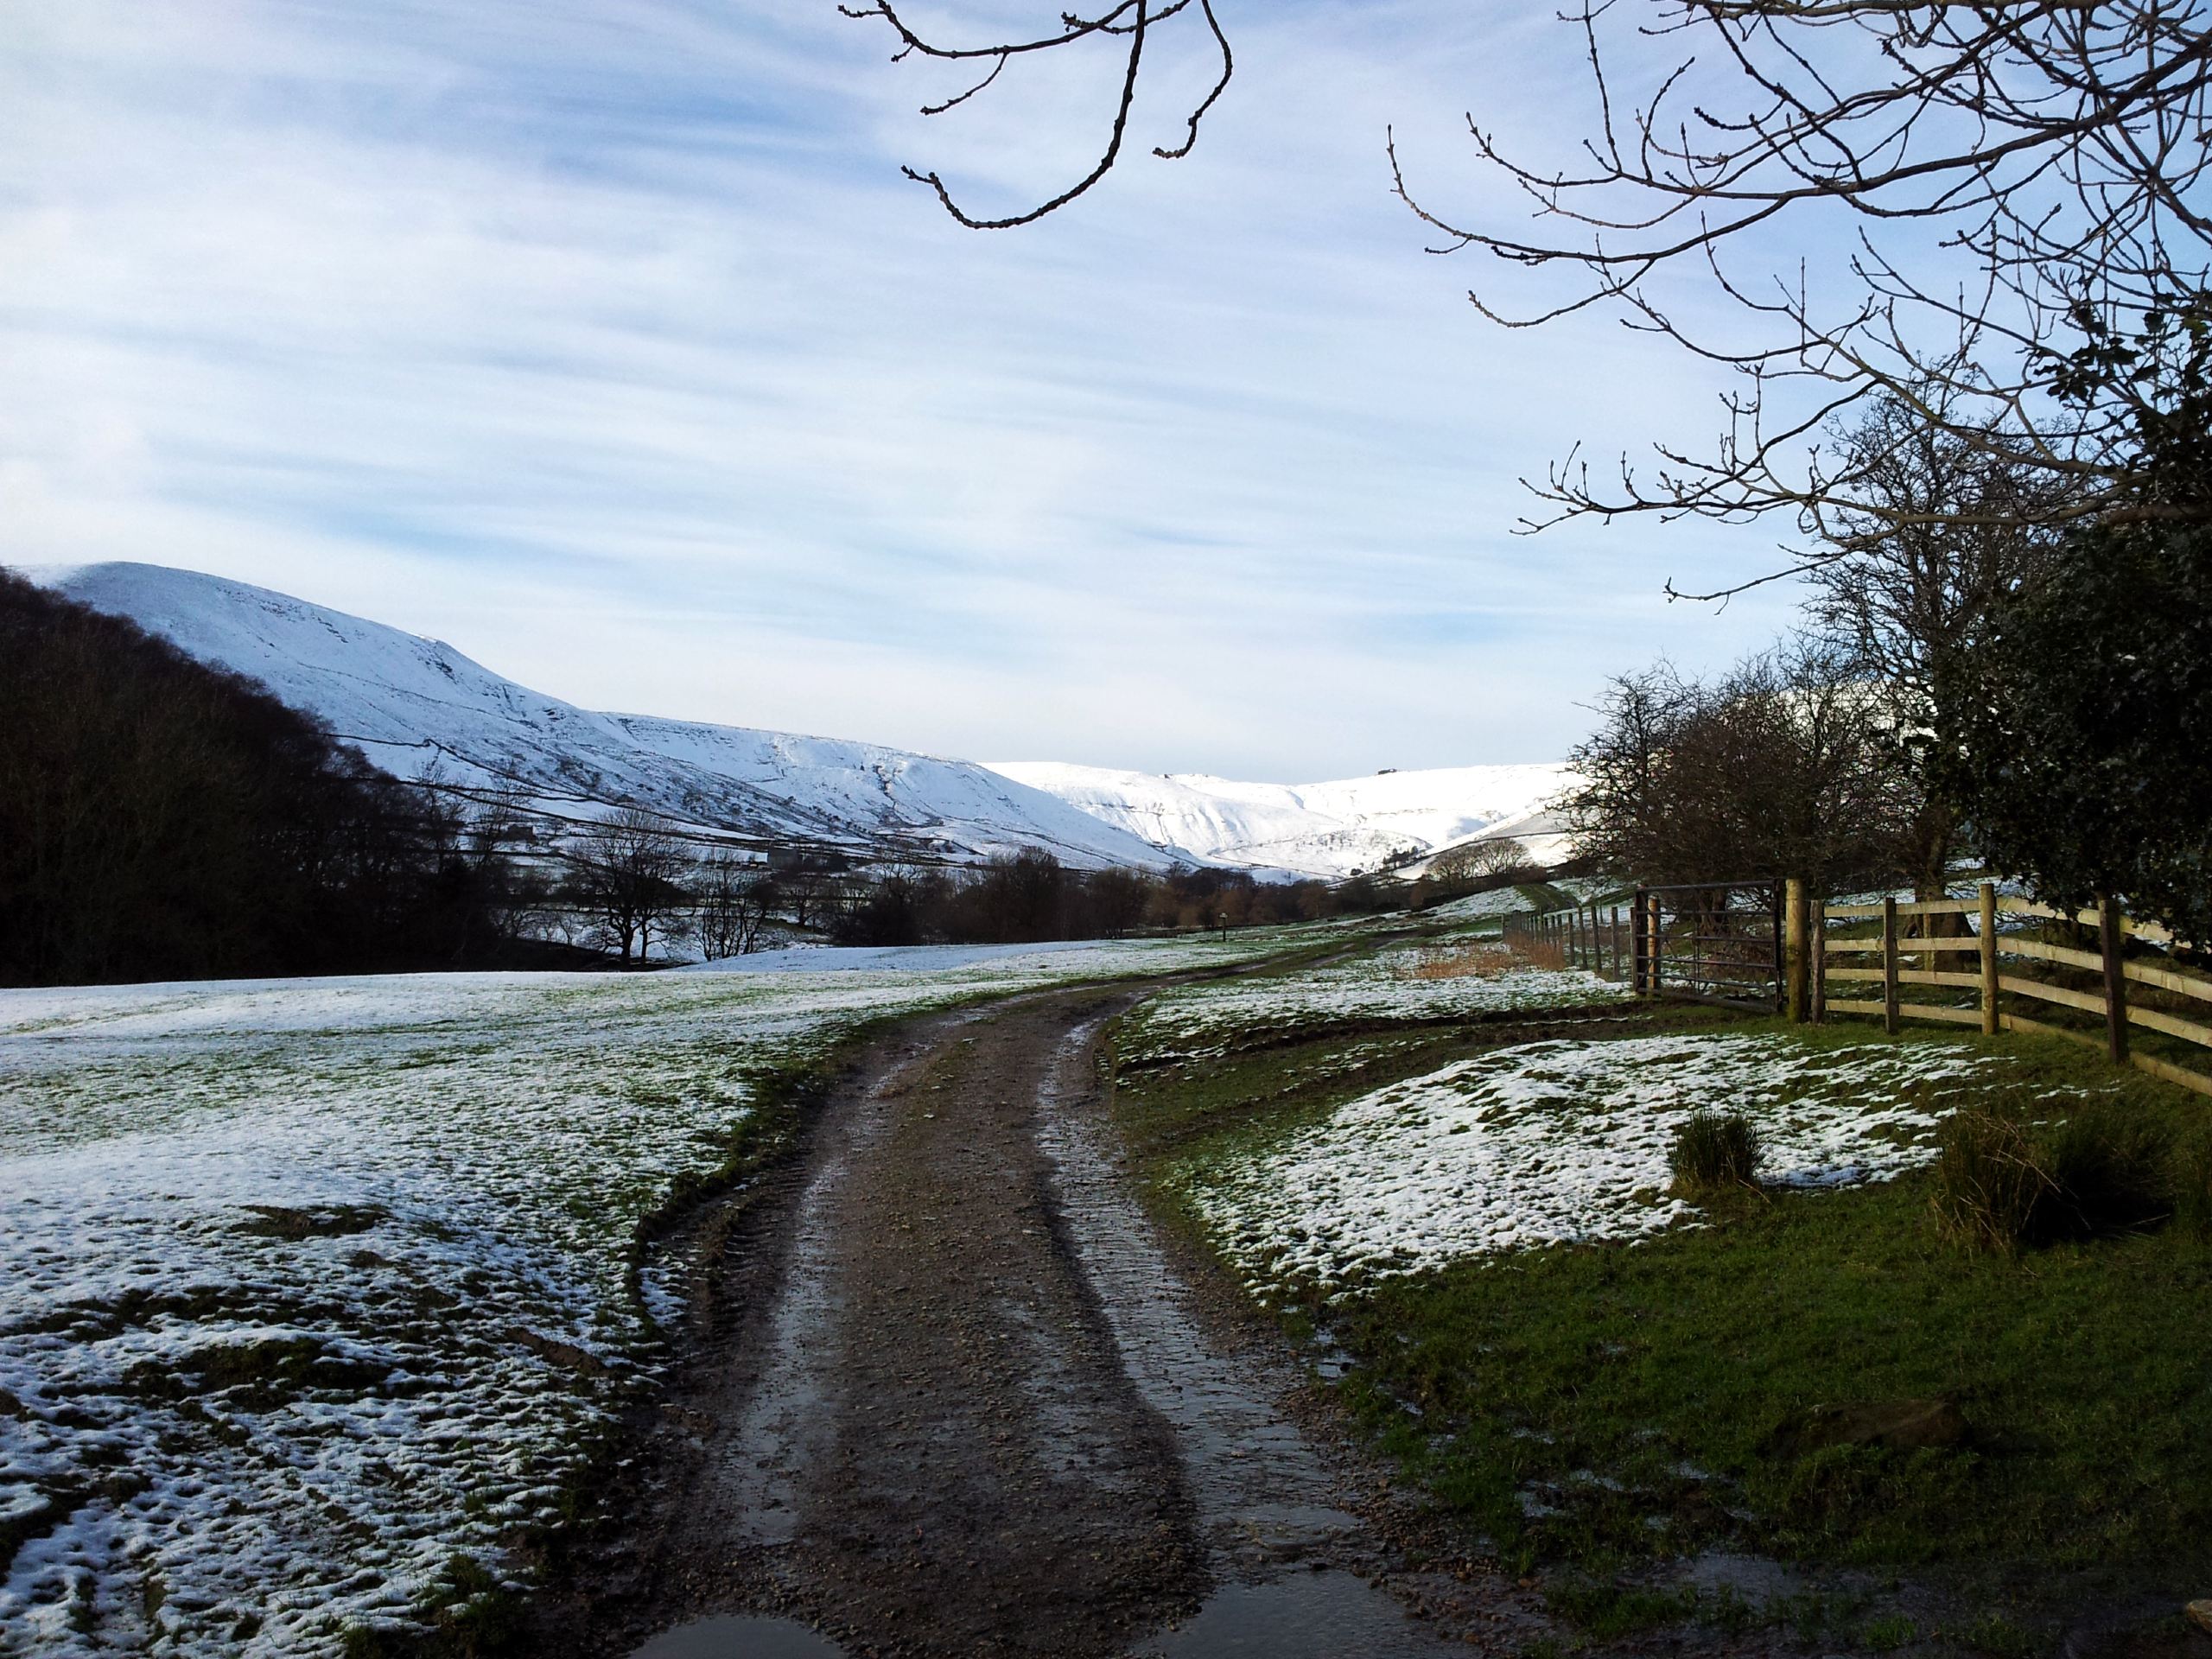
<point x="1462" y="962"/>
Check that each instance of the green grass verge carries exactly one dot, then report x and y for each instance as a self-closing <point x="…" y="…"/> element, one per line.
<point x="1595" y="1411"/>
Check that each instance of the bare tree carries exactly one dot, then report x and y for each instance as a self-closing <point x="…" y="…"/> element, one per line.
<point x="736" y="898"/>
<point x="1779" y="768"/>
<point x="624" y="871"/>
<point x="1920" y="599"/>
<point x="1484" y="859"/>
<point x="1502" y="856"/>
<point x="1117" y="899"/>
<point x="1614" y="811"/>
<point x="2020" y="183"/>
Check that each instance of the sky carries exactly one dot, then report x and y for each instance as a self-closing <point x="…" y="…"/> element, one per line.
<point x="605" y="342"/>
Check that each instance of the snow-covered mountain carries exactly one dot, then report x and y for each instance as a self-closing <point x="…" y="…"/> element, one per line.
<point x="409" y="704"/>
<point x="1328" y="829"/>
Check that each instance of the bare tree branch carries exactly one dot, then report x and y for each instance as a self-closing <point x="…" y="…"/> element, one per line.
<point x="1131" y="20"/>
<point x="2032" y="265"/>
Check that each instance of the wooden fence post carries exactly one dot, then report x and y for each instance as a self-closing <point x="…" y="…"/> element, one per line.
<point x="1989" y="1019"/>
<point x="1890" y="963"/>
<point x="1794" y="930"/>
<point x="1819" y="953"/>
<point x="1613" y="938"/>
<point x="2115" y="943"/>
<point x="1641" y="969"/>
<point x="1654" y="918"/>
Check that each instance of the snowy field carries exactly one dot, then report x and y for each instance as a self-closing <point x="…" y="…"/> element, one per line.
<point x="312" y="1286"/>
<point x="1480" y="907"/>
<point x="1554" y="1142"/>
<point x="1403" y="982"/>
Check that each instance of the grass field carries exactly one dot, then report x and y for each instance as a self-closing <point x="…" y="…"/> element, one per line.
<point x="1608" y="1381"/>
<point x="321" y="1293"/>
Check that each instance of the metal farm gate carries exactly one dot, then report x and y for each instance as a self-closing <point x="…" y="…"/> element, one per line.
<point x="1704" y="941"/>
<point x="1712" y="941"/>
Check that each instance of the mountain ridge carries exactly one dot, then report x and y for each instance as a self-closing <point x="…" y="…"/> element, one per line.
<point x="408" y="702"/>
<point x="416" y="706"/>
<point x="1332" y="829"/>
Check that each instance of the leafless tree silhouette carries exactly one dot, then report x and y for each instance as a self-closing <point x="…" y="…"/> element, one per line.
<point x="1127" y="24"/>
<point x="2021" y="186"/>
<point x="624" y="872"/>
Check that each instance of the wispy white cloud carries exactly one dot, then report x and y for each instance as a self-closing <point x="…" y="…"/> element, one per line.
<point x="605" y="342"/>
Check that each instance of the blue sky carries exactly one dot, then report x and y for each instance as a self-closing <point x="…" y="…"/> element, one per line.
<point x="605" y="342"/>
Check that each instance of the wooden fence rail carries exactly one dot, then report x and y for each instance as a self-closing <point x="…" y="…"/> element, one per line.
<point x="1757" y="945"/>
<point x="1830" y="960"/>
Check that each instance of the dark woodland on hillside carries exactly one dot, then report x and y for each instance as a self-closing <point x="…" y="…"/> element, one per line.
<point x="160" y="819"/>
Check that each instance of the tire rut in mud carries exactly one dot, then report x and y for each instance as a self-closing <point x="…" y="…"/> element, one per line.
<point x="908" y="1423"/>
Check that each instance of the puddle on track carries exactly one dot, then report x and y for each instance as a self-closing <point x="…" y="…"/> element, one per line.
<point x="1265" y="1500"/>
<point x="1308" y="1616"/>
<point x="740" y="1638"/>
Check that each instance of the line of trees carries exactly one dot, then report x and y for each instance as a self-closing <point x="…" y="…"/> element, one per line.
<point x="1029" y="897"/>
<point x="1836" y="755"/>
<point x="1975" y="685"/>
<point x="634" y="884"/>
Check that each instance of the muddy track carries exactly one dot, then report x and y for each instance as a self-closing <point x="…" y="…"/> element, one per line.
<point x="945" y="1393"/>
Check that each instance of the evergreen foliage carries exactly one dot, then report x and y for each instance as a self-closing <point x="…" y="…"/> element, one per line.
<point x="2084" y="753"/>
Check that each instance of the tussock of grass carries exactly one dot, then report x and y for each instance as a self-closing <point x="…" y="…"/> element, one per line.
<point x="2192" y="1169"/>
<point x="1714" y="1151"/>
<point x="2007" y="1181"/>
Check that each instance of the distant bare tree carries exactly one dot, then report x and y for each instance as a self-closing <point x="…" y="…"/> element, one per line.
<point x="1499" y="855"/>
<point x="625" y="872"/>
<point x="1117" y="899"/>
<point x="735" y="897"/>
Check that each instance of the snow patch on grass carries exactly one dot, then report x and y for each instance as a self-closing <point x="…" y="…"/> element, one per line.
<point x="314" y="1285"/>
<point x="1562" y="1141"/>
<point x="1197" y="1022"/>
<point x="1480" y="906"/>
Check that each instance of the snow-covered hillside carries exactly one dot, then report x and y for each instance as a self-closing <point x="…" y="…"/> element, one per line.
<point x="409" y="703"/>
<point x="1328" y="829"/>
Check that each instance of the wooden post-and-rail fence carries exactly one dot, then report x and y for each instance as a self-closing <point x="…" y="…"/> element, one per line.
<point x="1771" y="946"/>
<point x="2112" y="1001"/>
